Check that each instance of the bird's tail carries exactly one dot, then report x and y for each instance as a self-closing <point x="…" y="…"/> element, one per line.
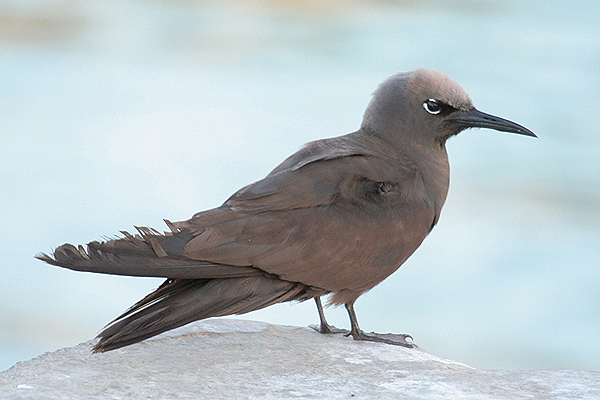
<point x="179" y="302"/>
<point x="194" y="289"/>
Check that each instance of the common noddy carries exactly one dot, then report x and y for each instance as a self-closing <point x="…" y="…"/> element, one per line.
<point x="337" y="217"/>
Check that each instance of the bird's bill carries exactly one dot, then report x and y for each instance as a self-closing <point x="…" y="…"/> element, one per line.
<point x="477" y="119"/>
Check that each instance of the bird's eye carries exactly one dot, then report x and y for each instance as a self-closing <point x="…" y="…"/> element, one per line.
<point x="432" y="106"/>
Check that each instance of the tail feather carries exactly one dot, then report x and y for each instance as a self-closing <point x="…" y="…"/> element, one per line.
<point x="179" y="302"/>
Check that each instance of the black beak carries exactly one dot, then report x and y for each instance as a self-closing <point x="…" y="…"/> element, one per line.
<point x="478" y="119"/>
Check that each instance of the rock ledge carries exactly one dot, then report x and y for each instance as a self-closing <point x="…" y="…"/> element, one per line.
<point x="236" y="359"/>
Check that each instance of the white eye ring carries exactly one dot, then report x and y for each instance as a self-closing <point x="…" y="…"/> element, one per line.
<point x="432" y="106"/>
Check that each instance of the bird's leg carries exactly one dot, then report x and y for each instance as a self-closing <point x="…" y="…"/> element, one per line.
<point x="389" y="338"/>
<point x="325" y="327"/>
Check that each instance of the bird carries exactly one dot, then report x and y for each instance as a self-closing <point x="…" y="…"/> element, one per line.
<point x="335" y="218"/>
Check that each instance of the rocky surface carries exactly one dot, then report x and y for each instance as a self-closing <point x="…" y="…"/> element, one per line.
<point x="235" y="359"/>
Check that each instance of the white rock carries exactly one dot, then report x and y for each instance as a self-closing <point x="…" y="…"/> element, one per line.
<point x="235" y="359"/>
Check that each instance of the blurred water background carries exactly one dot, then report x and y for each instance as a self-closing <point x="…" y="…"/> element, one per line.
<point x="118" y="113"/>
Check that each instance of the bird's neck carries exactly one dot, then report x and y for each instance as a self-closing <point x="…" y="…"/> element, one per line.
<point x="434" y="170"/>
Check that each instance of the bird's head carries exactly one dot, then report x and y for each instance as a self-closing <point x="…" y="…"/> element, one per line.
<point x="427" y="107"/>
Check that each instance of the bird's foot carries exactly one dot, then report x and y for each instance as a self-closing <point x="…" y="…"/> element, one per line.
<point x="329" y="329"/>
<point x="389" y="338"/>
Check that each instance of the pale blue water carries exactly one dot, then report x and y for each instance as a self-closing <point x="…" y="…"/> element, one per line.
<point x="123" y="113"/>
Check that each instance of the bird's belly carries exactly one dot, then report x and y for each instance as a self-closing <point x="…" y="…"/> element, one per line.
<point x="342" y="251"/>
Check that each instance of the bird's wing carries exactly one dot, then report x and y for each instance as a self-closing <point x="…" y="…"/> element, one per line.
<point x="316" y="222"/>
<point x="152" y="253"/>
<point x="143" y="254"/>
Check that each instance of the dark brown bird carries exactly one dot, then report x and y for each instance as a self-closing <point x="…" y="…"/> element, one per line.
<point x="337" y="217"/>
